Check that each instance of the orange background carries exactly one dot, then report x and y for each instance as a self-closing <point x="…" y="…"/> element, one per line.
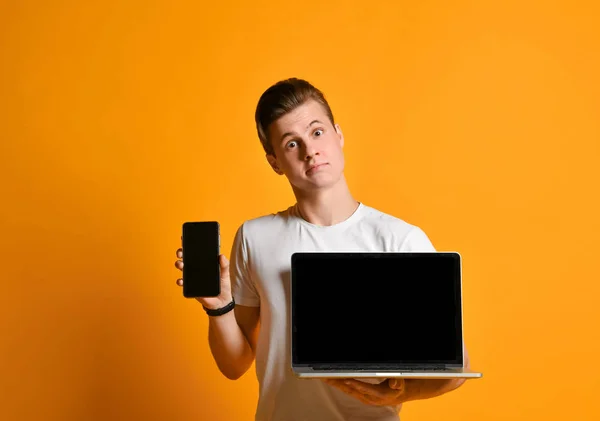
<point x="121" y="120"/>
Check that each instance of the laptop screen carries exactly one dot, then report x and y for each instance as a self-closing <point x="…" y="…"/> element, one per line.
<point x="376" y="308"/>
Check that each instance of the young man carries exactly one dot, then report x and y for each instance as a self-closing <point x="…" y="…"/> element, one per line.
<point x="303" y="143"/>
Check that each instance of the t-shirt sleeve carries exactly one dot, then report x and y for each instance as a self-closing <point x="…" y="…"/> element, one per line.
<point x="242" y="287"/>
<point x="417" y="241"/>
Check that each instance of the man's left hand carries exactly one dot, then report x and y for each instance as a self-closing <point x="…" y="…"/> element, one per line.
<point x="390" y="392"/>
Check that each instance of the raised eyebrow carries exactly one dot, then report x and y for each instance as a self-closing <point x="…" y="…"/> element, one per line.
<point x="286" y="135"/>
<point x="307" y="127"/>
<point x="314" y="122"/>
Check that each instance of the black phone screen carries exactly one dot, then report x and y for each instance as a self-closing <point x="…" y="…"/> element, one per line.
<point x="201" y="248"/>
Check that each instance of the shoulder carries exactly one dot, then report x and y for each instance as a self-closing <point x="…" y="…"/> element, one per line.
<point x="375" y="216"/>
<point x="264" y="226"/>
<point x="404" y="235"/>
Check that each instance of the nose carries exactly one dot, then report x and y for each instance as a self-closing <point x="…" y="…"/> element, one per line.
<point x="310" y="151"/>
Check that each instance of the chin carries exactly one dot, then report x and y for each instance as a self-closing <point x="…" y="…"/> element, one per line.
<point x="315" y="185"/>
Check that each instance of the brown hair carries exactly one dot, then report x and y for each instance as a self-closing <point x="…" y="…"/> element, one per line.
<point x="281" y="98"/>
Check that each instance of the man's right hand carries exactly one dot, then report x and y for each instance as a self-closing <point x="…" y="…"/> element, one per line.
<point x="211" y="302"/>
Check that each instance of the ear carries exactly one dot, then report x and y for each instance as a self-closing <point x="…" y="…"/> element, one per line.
<point x="340" y="134"/>
<point x="273" y="163"/>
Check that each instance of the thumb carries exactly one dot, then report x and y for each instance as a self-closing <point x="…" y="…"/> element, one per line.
<point x="224" y="262"/>
<point x="397" y="384"/>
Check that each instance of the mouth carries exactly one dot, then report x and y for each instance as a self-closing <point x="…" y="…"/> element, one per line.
<point x="315" y="168"/>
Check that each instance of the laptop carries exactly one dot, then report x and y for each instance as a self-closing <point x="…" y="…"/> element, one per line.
<point x="377" y="315"/>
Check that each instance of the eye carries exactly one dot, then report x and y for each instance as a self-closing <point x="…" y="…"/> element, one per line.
<point x="318" y="132"/>
<point x="291" y="144"/>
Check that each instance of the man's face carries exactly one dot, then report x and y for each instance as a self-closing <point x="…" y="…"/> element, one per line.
<point x="308" y="148"/>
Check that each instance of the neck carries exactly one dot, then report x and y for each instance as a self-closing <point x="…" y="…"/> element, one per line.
<point x="328" y="206"/>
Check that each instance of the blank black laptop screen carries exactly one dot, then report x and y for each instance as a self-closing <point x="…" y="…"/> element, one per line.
<point x="376" y="308"/>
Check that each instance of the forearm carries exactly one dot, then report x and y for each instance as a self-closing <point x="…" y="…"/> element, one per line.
<point x="230" y="348"/>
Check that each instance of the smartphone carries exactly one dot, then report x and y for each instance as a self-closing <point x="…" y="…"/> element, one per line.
<point x="201" y="244"/>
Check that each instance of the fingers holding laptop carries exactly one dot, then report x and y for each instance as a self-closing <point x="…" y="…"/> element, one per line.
<point x="391" y="392"/>
<point x="396" y="391"/>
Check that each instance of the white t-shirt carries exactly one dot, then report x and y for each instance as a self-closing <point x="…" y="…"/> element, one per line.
<point x="260" y="276"/>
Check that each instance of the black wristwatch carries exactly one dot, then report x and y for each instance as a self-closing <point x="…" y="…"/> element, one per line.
<point x="220" y="311"/>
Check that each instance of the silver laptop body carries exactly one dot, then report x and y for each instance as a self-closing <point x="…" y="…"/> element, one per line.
<point x="377" y="315"/>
